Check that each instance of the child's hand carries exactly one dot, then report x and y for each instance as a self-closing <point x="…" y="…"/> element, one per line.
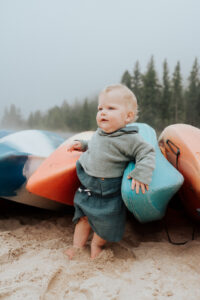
<point x="137" y="185"/>
<point x="76" y="145"/>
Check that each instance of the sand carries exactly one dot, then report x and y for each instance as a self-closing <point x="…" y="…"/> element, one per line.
<point x="144" y="265"/>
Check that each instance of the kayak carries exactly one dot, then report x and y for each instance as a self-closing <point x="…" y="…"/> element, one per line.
<point x="56" y="177"/>
<point x="20" y="155"/>
<point x="166" y="181"/>
<point x="5" y="132"/>
<point x="180" y="143"/>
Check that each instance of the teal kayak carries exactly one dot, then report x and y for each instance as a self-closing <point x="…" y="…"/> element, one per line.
<point x="166" y="181"/>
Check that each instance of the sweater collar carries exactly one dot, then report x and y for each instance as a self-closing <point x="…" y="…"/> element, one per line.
<point x="119" y="132"/>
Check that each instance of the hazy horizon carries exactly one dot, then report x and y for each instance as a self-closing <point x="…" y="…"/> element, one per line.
<point x="53" y="51"/>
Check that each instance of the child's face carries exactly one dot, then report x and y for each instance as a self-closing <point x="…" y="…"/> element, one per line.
<point x="112" y="113"/>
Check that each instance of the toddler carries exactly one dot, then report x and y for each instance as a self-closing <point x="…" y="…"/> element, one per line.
<point x="98" y="203"/>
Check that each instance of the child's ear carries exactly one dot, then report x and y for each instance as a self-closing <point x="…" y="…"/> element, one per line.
<point x="130" y="117"/>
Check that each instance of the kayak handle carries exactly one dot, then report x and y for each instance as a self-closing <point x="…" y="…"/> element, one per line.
<point x="177" y="153"/>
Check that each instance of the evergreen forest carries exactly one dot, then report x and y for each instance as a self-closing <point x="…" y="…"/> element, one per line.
<point x="162" y="101"/>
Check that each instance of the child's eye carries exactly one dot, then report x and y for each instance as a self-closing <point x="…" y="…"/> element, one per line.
<point x="111" y="107"/>
<point x="99" y="108"/>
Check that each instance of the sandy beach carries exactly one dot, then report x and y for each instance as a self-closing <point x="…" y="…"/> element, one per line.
<point x="143" y="266"/>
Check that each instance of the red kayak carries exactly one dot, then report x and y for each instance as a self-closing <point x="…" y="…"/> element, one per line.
<point x="56" y="178"/>
<point x="180" y="143"/>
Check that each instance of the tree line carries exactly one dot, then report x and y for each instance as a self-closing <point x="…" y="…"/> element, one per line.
<point x="162" y="101"/>
<point x="166" y="101"/>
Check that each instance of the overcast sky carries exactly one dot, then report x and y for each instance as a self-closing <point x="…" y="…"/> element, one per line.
<point x="51" y="50"/>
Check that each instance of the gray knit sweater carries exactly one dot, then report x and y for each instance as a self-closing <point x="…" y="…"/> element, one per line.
<point x="107" y="155"/>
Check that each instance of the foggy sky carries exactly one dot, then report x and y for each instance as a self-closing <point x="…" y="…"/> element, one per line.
<point x="53" y="50"/>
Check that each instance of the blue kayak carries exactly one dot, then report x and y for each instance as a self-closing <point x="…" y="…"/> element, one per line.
<point x="20" y="155"/>
<point x="166" y="181"/>
<point x="5" y="132"/>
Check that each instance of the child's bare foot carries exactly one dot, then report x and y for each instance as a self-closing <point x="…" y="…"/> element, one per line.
<point x="71" y="252"/>
<point x="95" y="250"/>
<point x="96" y="245"/>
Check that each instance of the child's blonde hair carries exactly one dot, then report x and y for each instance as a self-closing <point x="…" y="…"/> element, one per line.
<point x="127" y="95"/>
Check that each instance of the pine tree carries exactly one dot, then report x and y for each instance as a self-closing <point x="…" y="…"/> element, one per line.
<point x="137" y="83"/>
<point x="67" y="115"/>
<point x="12" y="117"/>
<point x="193" y="96"/>
<point x="178" y="105"/>
<point x="30" y="121"/>
<point x="166" y="96"/>
<point x="198" y="107"/>
<point x="127" y="79"/>
<point x="36" y="120"/>
<point x="85" y="116"/>
<point x="150" y="109"/>
<point x="53" y="118"/>
<point x="5" y="118"/>
<point x="93" y="111"/>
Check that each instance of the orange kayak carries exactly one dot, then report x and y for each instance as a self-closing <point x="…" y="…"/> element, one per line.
<point x="180" y="144"/>
<point x="56" y="177"/>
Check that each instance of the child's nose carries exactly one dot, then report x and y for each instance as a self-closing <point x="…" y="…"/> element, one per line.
<point x="103" y="112"/>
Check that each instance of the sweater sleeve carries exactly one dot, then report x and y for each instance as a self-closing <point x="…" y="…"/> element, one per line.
<point x="144" y="156"/>
<point x="84" y="144"/>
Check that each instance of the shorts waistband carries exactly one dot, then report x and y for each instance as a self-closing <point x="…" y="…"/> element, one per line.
<point x="90" y="193"/>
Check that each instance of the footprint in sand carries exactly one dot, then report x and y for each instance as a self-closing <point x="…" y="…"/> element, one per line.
<point x="59" y="287"/>
<point x="76" y="293"/>
<point x="23" y="291"/>
<point x="55" y="286"/>
<point x="9" y="255"/>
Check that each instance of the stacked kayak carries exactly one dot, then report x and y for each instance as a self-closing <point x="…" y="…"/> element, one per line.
<point x="180" y="143"/>
<point x="5" y="132"/>
<point x="56" y="177"/>
<point x="20" y="155"/>
<point x="166" y="181"/>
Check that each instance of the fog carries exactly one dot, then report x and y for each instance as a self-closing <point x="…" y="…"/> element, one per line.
<point x="66" y="50"/>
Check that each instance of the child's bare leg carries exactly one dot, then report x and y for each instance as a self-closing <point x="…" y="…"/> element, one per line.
<point x="96" y="245"/>
<point x="81" y="234"/>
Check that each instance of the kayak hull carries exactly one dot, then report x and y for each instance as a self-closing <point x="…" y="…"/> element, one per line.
<point x="180" y="144"/>
<point x="166" y="181"/>
<point x="20" y="155"/>
<point x="56" y="178"/>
